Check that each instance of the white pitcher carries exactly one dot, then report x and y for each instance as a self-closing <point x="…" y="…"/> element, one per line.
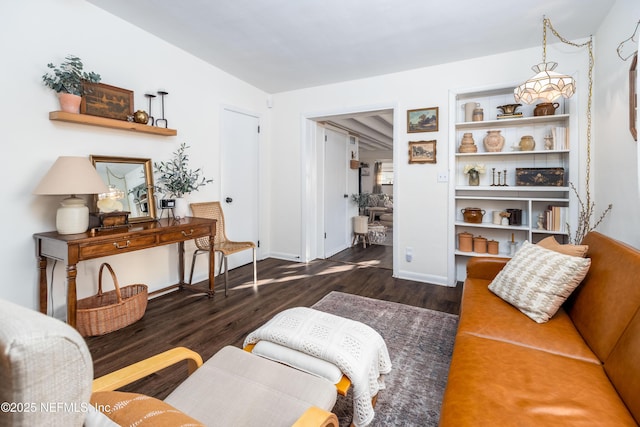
<point x="468" y="110"/>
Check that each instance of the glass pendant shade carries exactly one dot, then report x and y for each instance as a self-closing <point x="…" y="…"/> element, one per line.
<point x="547" y="85"/>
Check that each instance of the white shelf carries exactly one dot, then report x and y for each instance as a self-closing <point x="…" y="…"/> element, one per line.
<point x="512" y="153"/>
<point x="532" y="200"/>
<point x="519" y="122"/>
<point x="499" y="188"/>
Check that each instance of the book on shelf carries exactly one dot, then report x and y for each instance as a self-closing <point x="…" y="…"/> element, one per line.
<point x="509" y="116"/>
<point x="555" y="218"/>
<point x="560" y="140"/>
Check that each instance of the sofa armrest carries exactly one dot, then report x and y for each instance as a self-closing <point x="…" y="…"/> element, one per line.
<point x="485" y="267"/>
<point x="317" y="417"/>
<point x="146" y="367"/>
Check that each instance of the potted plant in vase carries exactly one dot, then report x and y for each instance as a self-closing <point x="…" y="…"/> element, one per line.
<point x="174" y="178"/>
<point x="66" y="79"/>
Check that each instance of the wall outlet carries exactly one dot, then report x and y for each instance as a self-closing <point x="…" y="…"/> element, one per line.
<point x="408" y="253"/>
<point x="443" y="176"/>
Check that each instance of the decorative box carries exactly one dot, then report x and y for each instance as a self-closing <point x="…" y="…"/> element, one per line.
<point x="108" y="220"/>
<point x="544" y="177"/>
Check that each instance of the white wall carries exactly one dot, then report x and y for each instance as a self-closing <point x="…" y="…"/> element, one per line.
<point x="420" y="204"/>
<point x="36" y="32"/>
<point x="615" y="152"/>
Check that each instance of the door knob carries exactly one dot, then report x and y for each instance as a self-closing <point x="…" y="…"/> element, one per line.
<point x="228" y="200"/>
<point x="346" y="196"/>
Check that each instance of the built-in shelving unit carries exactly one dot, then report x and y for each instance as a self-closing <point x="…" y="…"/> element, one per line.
<point x="531" y="200"/>
<point x="87" y="119"/>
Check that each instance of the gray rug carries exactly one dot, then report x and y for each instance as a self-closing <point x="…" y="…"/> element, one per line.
<point x="420" y="343"/>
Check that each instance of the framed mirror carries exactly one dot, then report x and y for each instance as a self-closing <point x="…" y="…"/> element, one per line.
<point x="132" y="178"/>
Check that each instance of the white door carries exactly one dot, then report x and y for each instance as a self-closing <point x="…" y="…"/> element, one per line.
<point x="336" y="195"/>
<point x="239" y="152"/>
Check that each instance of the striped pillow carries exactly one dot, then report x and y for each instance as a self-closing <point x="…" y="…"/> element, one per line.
<point x="537" y="280"/>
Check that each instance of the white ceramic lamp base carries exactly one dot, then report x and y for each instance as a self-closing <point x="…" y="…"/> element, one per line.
<point x="72" y="216"/>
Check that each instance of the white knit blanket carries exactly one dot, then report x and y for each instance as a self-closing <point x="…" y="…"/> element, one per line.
<point x="355" y="348"/>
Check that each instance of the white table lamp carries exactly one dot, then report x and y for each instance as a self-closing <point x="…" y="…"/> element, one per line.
<point x="71" y="176"/>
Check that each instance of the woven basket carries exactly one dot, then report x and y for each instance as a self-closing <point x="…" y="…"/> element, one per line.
<point x="109" y="311"/>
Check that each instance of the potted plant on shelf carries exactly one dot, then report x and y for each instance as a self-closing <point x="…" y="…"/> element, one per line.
<point x="66" y="79"/>
<point x="175" y="179"/>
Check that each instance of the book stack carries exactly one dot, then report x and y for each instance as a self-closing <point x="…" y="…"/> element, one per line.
<point x="560" y="140"/>
<point x="555" y="218"/>
<point x="509" y="116"/>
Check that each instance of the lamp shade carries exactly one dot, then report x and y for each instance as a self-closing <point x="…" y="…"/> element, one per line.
<point x="71" y="176"/>
<point x="547" y="85"/>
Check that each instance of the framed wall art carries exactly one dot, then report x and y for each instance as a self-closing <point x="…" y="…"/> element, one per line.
<point x="422" y="120"/>
<point x="422" y="151"/>
<point x="106" y="101"/>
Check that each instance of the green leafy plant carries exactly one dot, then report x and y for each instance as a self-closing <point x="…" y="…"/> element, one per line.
<point x="362" y="200"/>
<point x="175" y="178"/>
<point x="68" y="76"/>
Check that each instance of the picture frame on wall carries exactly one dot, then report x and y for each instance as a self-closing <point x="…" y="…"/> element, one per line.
<point x="422" y="152"/>
<point x="422" y="120"/>
<point x="106" y="101"/>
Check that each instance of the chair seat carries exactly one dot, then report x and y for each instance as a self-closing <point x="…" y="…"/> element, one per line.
<point x="236" y="388"/>
<point x="229" y="248"/>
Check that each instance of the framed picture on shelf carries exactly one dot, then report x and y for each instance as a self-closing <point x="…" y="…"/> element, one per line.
<point x="422" y="120"/>
<point x="422" y="151"/>
<point x="106" y="101"/>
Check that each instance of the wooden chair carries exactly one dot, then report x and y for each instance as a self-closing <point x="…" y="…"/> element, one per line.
<point x="222" y="245"/>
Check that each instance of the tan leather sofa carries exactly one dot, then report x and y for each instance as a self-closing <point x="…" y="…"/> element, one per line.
<point x="581" y="368"/>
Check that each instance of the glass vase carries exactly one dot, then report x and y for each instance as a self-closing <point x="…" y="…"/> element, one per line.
<point x="474" y="178"/>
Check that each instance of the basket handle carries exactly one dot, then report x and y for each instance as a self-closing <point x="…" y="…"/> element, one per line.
<point x="113" y="277"/>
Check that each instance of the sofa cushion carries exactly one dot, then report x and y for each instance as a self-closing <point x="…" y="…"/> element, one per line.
<point x="483" y="313"/>
<point x="537" y="280"/>
<point x="250" y="388"/>
<point x="494" y="383"/>
<point x="133" y="409"/>
<point x="609" y="297"/>
<point x="567" y="249"/>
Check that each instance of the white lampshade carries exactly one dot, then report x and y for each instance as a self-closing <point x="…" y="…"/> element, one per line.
<point x="547" y="85"/>
<point x="71" y="176"/>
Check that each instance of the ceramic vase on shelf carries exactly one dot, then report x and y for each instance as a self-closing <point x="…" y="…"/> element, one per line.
<point x="181" y="209"/>
<point x="468" y="144"/>
<point x="474" y="178"/>
<point x="493" y="141"/>
<point x="527" y="143"/>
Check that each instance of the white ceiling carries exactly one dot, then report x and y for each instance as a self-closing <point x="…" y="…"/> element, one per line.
<point x="282" y="45"/>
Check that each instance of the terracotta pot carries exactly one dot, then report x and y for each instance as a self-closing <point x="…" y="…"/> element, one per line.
<point x="480" y="245"/>
<point x="465" y="242"/>
<point x="69" y="103"/>
<point x="472" y="215"/>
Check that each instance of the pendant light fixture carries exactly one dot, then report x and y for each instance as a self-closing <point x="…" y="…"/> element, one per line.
<point x="547" y="85"/>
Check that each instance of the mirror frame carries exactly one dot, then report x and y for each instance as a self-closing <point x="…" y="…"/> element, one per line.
<point x="148" y="172"/>
<point x="633" y="97"/>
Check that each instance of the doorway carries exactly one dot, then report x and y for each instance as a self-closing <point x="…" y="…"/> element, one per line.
<point x="370" y="137"/>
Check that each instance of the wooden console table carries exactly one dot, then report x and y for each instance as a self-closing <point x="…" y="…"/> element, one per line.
<point x="73" y="248"/>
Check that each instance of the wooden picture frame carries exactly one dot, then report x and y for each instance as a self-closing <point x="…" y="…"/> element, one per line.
<point x="633" y="97"/>
<point x="422" y="152"/>
<point x="422" y="120"/>
<point x="107" y="101"/>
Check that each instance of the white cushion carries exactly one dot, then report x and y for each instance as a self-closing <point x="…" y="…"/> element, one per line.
<point x="296" y="359"/>
<point x="537" y="280"/>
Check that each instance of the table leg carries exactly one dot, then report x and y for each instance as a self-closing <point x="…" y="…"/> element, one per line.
<point x="212" y="266"/>
<point x="181" y="264"/>
<point x="42" y="267"/>
<point x="72" y="298"/>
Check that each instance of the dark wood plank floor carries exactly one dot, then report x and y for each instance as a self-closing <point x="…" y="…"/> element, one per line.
<point x="205" y="325"/>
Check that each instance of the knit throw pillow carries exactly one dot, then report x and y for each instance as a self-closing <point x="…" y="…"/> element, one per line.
<point x="537" y="280"/>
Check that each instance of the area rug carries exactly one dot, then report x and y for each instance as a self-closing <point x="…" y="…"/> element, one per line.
<point x="420" y="343"/>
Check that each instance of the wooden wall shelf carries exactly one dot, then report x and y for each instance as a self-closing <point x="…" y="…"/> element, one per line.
<point x="87" y="119"/>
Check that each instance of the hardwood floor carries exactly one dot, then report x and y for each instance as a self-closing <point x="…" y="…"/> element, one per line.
<point x="206" y="325"/>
